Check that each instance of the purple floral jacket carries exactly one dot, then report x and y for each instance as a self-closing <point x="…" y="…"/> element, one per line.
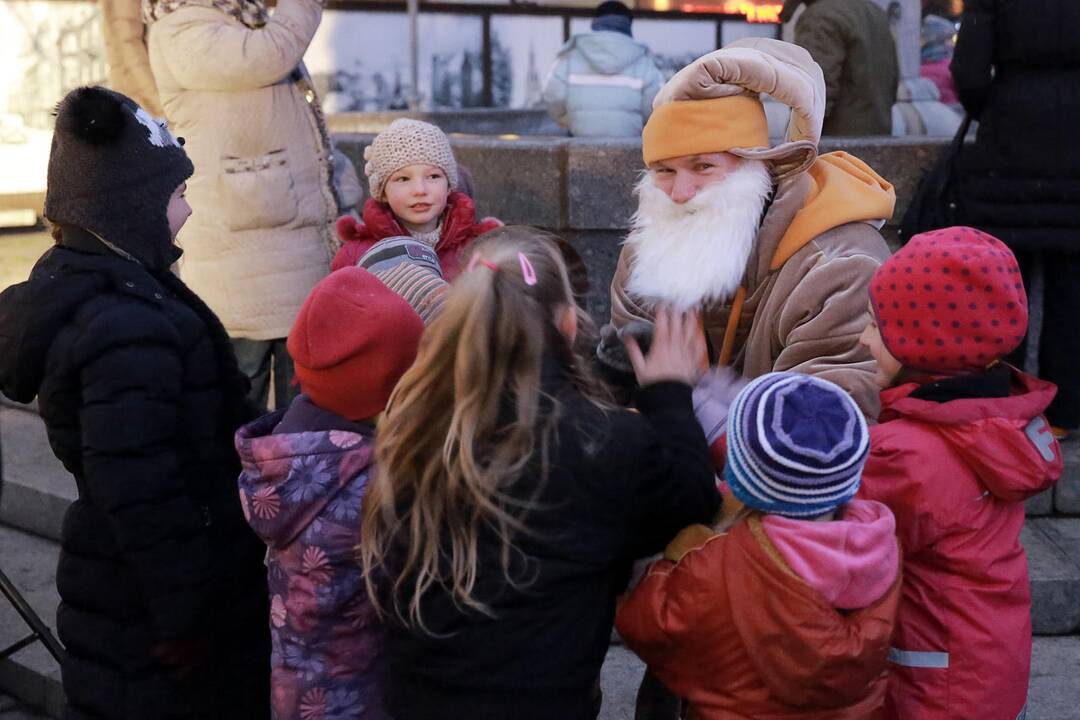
<point x="304" y="474"/>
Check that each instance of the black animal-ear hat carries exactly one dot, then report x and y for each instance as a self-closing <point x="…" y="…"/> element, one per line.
<point x="112" y="170"/>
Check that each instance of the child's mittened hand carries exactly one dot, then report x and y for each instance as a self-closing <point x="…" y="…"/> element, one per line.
<point x="348" y="227"/>
<point x="678" y="345"/>
<point x="713" y="395"/>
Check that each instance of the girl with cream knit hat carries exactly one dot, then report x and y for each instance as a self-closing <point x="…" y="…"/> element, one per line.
<point x="413" y="179"/>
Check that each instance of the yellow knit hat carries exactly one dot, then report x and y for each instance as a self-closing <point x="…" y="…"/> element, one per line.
<point x="713" y="105"/>
<point x="696" y="127"/>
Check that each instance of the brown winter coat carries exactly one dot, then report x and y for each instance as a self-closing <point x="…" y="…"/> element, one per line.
<point x="851" y="41"/>
<point x="263" y="198"/>
<point x="806" y="300"/>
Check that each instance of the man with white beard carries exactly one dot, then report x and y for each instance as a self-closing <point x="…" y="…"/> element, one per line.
<point x="775" y="245"/>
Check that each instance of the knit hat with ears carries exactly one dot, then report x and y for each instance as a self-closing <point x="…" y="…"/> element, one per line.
<point x="950" y="300"/>
<point x="352" y="341"/>
<point x="407" y="142"/>
<point x="713" y="105"/>
<point x="796" y="445"/>
<point x="112" y="170"/>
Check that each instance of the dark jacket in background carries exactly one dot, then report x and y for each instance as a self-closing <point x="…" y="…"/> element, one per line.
<point x="1017" y="71"/>
<point x="621" y="485"/>
<point x="851" y="41"/>
<point x="163" y="591"/>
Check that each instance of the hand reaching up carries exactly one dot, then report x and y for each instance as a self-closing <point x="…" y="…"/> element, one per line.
<point x="678" y="346"/>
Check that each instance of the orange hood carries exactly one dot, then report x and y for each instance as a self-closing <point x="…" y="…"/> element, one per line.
<point x="843" y="189"/>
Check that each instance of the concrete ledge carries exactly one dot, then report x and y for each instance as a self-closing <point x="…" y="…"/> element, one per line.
<point x="601" y="175"/>
<point x="475" y="121"/>
<point x="1053" y="551"/>
<point x="1067" y="490"/>
<point x="1054" y="689"/>
<point x="1040" y="505"/>
<point x="37" y="489"/>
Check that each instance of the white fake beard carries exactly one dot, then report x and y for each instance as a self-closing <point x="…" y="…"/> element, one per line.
<point x="694" y="254"/>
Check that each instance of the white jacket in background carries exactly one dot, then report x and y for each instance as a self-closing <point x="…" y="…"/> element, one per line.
<point x="602" y="84"/>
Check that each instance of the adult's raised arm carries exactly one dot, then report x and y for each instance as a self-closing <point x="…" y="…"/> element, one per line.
<point x="205" y="50"/>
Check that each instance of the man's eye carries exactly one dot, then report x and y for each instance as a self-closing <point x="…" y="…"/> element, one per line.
<point x="664" y="171"/>
<point x="702" y="167"/>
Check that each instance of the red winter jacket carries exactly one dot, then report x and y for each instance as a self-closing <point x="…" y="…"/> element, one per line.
<point x="725" y="622"/>
<point x="955" y="474"/>
<point x="459" y="229"/>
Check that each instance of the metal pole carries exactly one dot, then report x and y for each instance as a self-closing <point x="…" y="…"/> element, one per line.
<point x="414" y="55"/>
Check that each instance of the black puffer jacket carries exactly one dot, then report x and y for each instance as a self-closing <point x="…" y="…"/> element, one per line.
<point x="1017" y="71"/>
<point x="164" y="604"/>
<point x="621" y="485"/>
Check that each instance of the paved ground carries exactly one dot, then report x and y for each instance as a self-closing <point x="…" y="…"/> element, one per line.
<point x="19" y="250"/>
<point x="11" y="710"/>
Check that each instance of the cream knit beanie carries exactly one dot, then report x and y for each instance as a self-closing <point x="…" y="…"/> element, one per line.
<point x="407" y="142"/>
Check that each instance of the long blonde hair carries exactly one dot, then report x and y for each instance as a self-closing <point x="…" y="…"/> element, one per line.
<point x="461" y="426"/>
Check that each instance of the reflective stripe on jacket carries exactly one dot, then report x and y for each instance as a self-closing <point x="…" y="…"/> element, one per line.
<point x="602" y="83"/>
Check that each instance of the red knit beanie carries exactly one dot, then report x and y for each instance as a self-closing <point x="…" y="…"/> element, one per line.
<point x="950" y="300"/>
<point x="352" y="341"/>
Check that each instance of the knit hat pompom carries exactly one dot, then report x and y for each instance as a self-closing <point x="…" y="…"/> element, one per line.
<point x="352" y="341"/>
<point x="91" y="114"/>
<point x="951" y="300"/>
<point x="407" y="142"/>
<point x="796" y="445"/>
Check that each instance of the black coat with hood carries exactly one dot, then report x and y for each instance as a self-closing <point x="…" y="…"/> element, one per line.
<point x="1017" y="71"/>
<point x="164" y="606"/>
<point x="140" y="397"/>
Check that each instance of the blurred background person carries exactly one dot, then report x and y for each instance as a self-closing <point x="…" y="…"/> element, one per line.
<point x="603" y="82"/>
<point x="1017" y="71"/>
<point x="851" y="41"/>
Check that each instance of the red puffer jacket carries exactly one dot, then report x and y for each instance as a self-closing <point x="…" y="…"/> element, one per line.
<point x="459" y="229"/>
<point x="955" y="474"/>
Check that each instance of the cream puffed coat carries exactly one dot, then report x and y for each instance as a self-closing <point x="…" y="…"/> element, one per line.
<point x="267" y="187"/>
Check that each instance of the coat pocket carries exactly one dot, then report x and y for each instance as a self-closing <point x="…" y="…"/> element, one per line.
<point x="257" y="192"/>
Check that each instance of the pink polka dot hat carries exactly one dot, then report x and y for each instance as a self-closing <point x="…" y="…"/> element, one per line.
<point x="950" y="300"/>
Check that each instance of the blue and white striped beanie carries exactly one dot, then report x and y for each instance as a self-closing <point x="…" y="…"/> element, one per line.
<point x="796" y="445"/>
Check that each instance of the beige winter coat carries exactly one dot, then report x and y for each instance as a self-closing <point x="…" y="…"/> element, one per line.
<point x="806" y="301"/>
<point x="125" y="49"/>
<point x="261" y="233"/>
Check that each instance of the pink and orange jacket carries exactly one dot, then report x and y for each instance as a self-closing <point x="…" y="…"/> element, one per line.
<point x="776" y="618"/>
<point x="955" y="474"/>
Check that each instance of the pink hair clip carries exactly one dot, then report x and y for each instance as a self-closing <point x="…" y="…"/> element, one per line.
<point x="476" y="259"/>
<point x="528" y="272"/>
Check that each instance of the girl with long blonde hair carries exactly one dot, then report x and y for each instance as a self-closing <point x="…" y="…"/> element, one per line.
<point x="511" y="501"/>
